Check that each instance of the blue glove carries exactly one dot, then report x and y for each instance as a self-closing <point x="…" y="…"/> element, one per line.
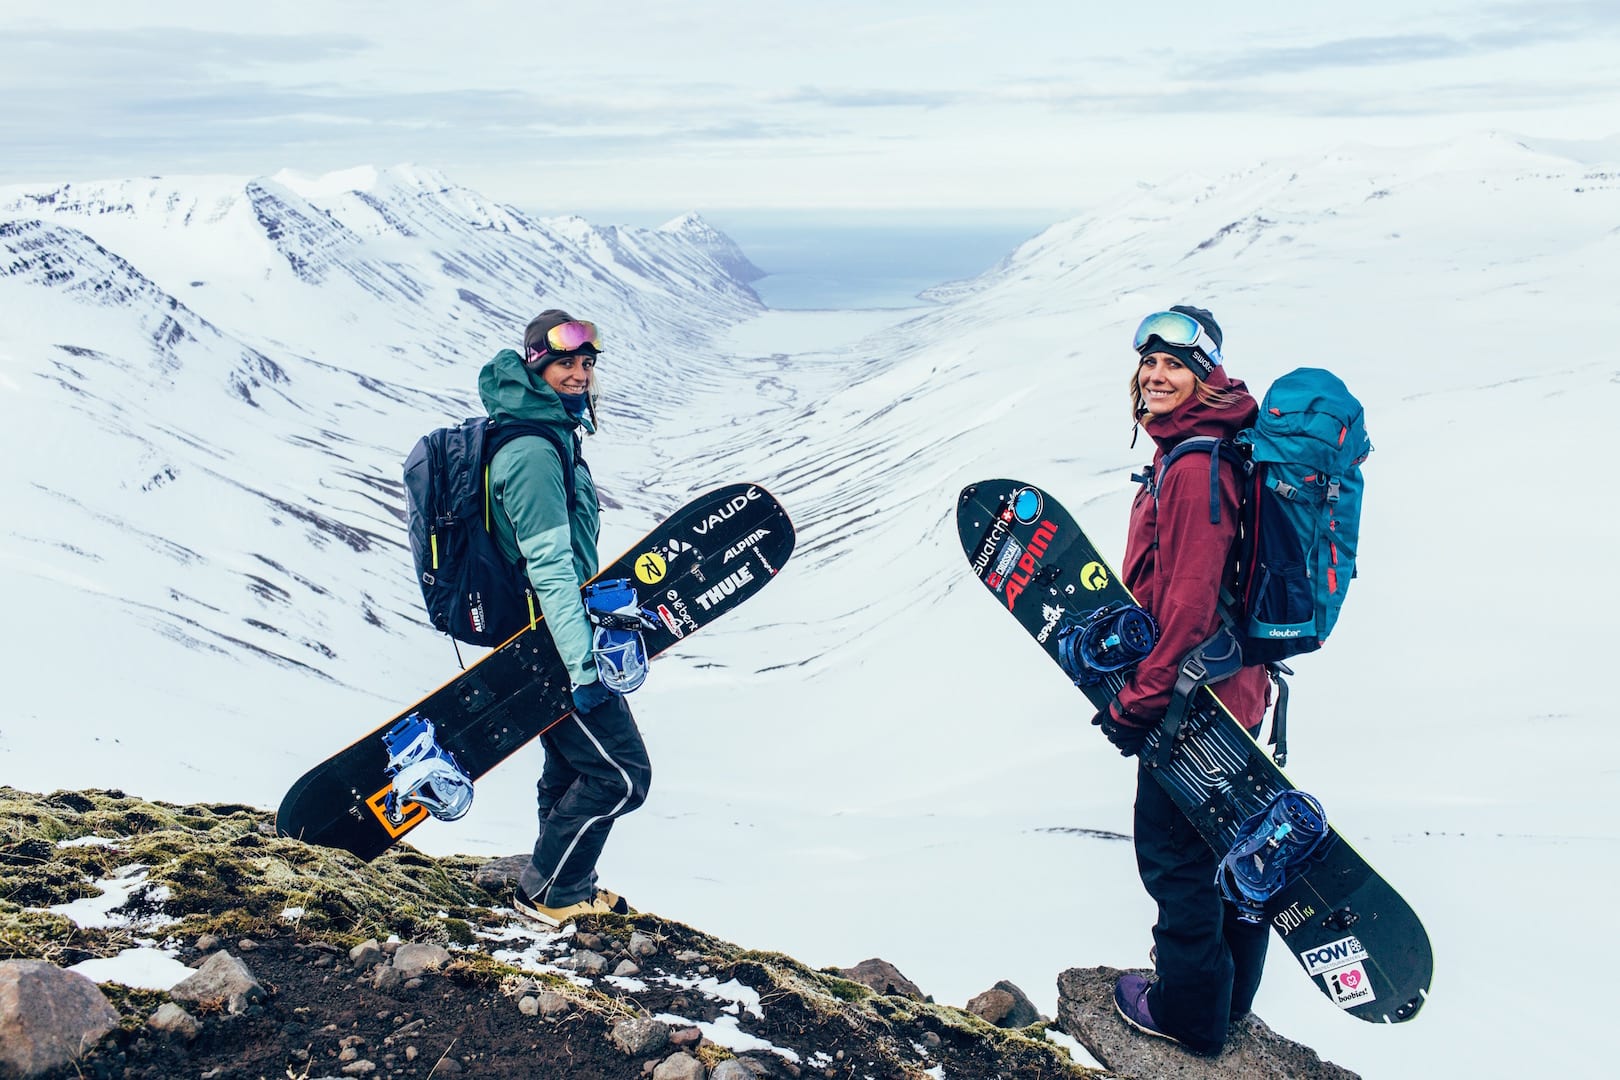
<point x="590" y="696"/>
<point x="1128" y="738"/>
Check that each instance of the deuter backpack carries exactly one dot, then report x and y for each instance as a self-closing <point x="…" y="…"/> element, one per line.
<point x="1299" y="475"/>
<point x="471" y="591"/>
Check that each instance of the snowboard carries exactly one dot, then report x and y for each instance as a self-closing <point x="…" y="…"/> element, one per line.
<point x="701" y="562"/>
<point x="1356" y="938"/>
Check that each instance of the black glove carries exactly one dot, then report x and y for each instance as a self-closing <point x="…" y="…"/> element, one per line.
<point x="1128" y="738"/>
<point x="590" y="696"/>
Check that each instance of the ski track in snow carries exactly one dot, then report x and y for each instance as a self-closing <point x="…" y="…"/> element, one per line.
<point x="210" y="385"/>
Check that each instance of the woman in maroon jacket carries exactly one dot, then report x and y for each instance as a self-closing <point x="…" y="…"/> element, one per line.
<point x="1208" y="964"/>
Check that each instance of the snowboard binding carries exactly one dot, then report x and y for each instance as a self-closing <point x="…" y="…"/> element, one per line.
<point x="423" y="772"/>
<point x="1110" y="639"/>
<point x="1270" y="848"/>
<point x="620" y="650"/>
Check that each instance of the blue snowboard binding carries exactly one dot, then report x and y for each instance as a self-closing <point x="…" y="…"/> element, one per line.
<point x="423" y="772"/>
<point x="1112" y="638"/>
<point x="1270" y="848"/>
<point x="620" y="650"/>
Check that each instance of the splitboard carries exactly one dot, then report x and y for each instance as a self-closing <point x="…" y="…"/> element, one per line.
<point x="704" y="560"/>
<point x="1358" y="940"/>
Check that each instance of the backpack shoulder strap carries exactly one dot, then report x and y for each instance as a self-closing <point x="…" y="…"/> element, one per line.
<point x="1203" y="444"/>
<point x="501" y="432"/>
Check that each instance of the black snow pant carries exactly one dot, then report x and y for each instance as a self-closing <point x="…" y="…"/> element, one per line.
<point x="596" y="771"/>
<point x="1209" y="964"/>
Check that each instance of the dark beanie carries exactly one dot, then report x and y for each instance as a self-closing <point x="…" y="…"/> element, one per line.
<point x="1193" y="359"/>
<point x="534" y="335"/>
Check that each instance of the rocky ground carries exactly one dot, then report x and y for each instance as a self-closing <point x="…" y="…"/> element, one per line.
<point x="281" y="960"/>
<point x="313" y="964"/>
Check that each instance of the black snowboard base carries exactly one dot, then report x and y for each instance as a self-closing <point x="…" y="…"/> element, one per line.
<point x="704" y="560"/>
<point x="1358" y="940"/>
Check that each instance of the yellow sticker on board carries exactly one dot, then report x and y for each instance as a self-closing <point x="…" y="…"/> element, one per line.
<point x="650" y="568"/>
<point x="1094" y="576"/>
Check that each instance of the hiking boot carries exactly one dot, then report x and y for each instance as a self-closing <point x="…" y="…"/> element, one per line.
<point x="559" y="916"/>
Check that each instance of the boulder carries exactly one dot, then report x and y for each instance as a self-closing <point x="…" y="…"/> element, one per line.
<point x="680" y="1066"/>
<point x="171" y="1019"/>
<point x="1253" y="1051"/>
<point x="638" y="1038"/>
<point x="1005" y="1006"/>
<point x="222" y="982"/>
<point x="412" y="960"/>
<point x="48" y="1017"/>
<point x="882" y="977"/>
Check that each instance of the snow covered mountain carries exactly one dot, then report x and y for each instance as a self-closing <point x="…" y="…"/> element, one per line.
<point x="208" y="386"/>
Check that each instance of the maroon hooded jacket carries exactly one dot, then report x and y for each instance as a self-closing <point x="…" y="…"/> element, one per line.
<point x="1175" y="559"/>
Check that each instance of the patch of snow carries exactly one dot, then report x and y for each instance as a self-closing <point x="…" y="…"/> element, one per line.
<point x="1077" y="1053"/>
<point x="728" y="1033"/>
<point x="141" y="969"/>
<point x="105" y="911"/>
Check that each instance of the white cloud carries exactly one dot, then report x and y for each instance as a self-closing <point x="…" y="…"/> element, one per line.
<point x="724" y="103"/>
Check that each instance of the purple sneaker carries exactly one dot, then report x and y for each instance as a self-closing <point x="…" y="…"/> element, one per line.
<point x="1130" y="998"/>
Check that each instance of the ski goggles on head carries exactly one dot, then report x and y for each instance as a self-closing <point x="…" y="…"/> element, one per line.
<point x="569" y="337"/>
<point x="1178" y="329"/>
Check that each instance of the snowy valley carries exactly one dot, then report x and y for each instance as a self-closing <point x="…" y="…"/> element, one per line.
<point x="208" y="385"/>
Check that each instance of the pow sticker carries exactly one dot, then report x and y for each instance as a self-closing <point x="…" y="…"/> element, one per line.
<point x="1094" y="576"/>
<point x="1349" y="986"/>
<point x="650" y="568"/>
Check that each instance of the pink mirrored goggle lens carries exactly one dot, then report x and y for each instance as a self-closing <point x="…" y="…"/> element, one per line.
<point x="572" y="336"/>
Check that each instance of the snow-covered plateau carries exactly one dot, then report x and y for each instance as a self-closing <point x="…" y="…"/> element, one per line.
<point x="208" y="384"/>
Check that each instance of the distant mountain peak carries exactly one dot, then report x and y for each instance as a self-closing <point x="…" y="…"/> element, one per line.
<point x="693" y="228"/>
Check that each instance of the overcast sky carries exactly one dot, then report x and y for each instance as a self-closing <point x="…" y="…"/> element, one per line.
<point x="565" y="106"/>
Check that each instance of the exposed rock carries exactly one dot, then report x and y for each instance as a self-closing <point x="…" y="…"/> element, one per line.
<point x="173" y="1020"/>
<point x="1005" y="1006"/>
<point x="883" y="977"/>
<point x="639" y="1038"/>
<point x="686" y="1037"/>
<point x="48" y="1016"/>
<point x="681" y="1066"/>
<point x="499" y="875"/>
<point x="412" y="960"/>
<point x="626" y="969"/>
<point x="366" y="953"/>
<point x="590" y="963"/>
<point x="553" y="1003"/>
<point x="641" y="945"/>
<point x="731" y="1069"/>
<point x="529" y="1006"/>
<point x="207" y="943"/>
<point x="222" y="981"/>
<point x="1253" y="1051"/>
<point x="584" y="939"/>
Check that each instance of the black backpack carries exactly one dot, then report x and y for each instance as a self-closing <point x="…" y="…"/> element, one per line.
<point x="472" y="592"/>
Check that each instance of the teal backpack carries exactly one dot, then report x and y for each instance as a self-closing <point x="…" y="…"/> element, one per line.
<point x="1299" y="471"/>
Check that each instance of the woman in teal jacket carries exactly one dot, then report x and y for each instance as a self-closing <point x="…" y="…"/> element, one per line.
<point x="596" y="768"/>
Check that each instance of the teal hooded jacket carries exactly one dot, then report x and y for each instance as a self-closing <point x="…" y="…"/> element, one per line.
<point x="557" y="542"/>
